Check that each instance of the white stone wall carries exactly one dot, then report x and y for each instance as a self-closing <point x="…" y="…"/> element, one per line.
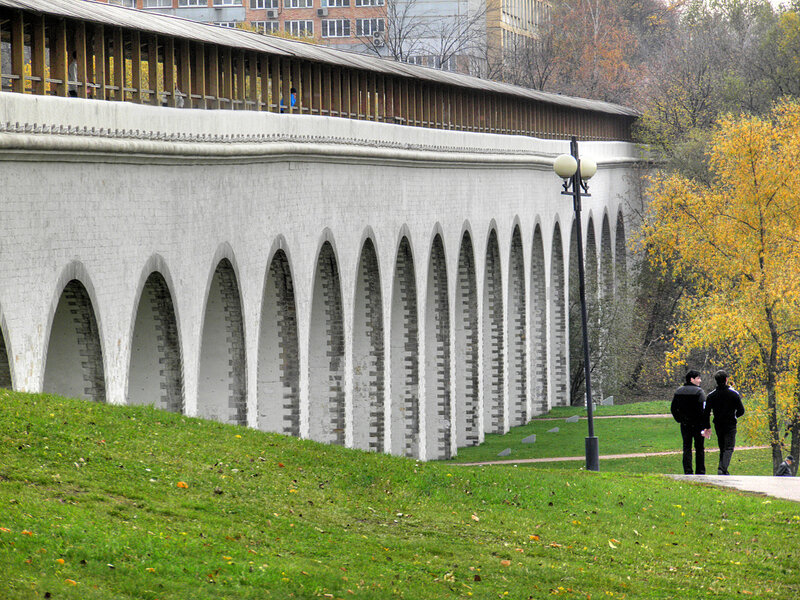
<point x="105" y="194"/>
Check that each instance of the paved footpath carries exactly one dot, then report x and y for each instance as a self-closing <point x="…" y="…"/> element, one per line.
<point x="584" y="417"/>
<point x="778" y="487"/>
<point x="519" y="461"/>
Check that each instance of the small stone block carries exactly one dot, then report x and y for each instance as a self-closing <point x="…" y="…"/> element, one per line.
<point x="553" y="430"/>
<point x="505" y="452"/>
<point x="609" y="401"/>
<point x="530" y="439"/>
<point x="573" y="419"/>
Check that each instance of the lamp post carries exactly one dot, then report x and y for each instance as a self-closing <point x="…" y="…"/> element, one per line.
<point x="576" y="174"/>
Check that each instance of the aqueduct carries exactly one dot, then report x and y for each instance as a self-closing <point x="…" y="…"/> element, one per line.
<point x="355" y="281"/>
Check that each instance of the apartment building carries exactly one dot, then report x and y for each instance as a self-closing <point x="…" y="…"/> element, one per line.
<point x="511" y="22"/>
<point x="455" y="35"/>
<point x="348" y="24"/>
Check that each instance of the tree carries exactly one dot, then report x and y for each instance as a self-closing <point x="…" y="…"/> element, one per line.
<point x="736" y="241"/>
<point x="593" y="47"/>
<point x="414" y="29"/>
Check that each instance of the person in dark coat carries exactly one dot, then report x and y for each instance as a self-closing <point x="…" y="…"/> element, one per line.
<point x="726" y="404"/>
<point x="785" y="468"/>
<point x="687" y="407"/>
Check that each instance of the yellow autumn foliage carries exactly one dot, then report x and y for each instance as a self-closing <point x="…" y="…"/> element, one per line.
<point x="737" y="241"/>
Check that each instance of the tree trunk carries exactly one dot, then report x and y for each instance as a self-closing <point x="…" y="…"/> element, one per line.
<point x="772" y="399"/>
<point x="794" y="427"/>
<point x="795" y="447"/>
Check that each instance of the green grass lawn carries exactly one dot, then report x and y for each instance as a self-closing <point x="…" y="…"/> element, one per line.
<point x="109" y="502"/>
<point x="616" y="436"/>
<point x="744" y="462"/>
<point x="655" y="407"/>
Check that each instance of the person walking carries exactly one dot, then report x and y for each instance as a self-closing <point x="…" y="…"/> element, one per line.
<point x="785" y="468"/>
<point x="688" y="409"/>
<point x="726" y="404"/>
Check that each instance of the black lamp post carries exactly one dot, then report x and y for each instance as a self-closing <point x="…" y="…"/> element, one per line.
<point x="576" y="174"/>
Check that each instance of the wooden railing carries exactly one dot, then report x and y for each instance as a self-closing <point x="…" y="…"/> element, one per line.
<point x="62" y="56"/>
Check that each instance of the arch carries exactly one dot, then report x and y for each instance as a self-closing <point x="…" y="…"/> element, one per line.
<point x="517" y="357"/>
<point x="155" y="369"/>
<point x="576" y="373"/>
<point x="278" y="374"/>
<point x="467" y="419"/>
<point x="592" y="285"/>
<point x="6" y="374"/>
<point x="326" y="411"/>
<point x="606" y="261"/>
<point x="222" y="373"/>
<point x="437" y="356"/>
<point x="404" y="355"/>
<point x="368" y="354"/>
<point x="621" y="259"/>
<point x="493" y="380"/>
<point x="558" y="323"/>
<point x="74" y="363"/>
<point x="538" y="325"/>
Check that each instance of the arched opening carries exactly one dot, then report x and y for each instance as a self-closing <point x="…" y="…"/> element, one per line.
<point x="517" y="378"/>
<point x="156" y="373"/>
<point x="606" y="262"/>
<point x="222" y="381"/>
<point x="278" y="355"/>
<point x="493" y="380"/>
<point x="326" y="412"/>
<point x="466" y="348"/>
<point x="558" y="324"/>
<point x="5" y="365"/>
<point x="596" y="348"/>
<point x="621" y="260"/>
<point x="576" y="375"/>
<point x="437" y="356"/>
<point x="74" y="365"/>
<point x="404" y="356"/>
<point x="538" y="325"/>
<point x="368" y="355"/>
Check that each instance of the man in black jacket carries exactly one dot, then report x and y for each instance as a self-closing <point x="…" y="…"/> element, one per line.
<point x="688" y="406"/>
<point x="726" y="404"/>
<point x="785" y="468"/>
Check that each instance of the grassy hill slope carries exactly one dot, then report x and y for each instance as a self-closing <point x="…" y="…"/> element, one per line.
<point x="122" y="502"/>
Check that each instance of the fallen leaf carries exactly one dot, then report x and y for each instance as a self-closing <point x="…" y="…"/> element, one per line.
<point x="505" y="563"/>
<point x="475" y="518"/>
<point x="182" y="484"/>
<point x="60" y="561"/>
<point x="71" y="581"/>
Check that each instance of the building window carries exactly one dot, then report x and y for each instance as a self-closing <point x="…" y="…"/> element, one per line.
<point x="299" y="28"/>
<point x="157" y="3"/>
<point x="183" y="3"/>
<point x="369" y="2"/>
<point x="332" y="28"/>
<point x="227" y="2"/>
<point x="226" y="24"/>
<point x="127" y="3"/>
<point x="367" y="27"/>
<point x="266" y="26"/>
<point x="298" y="3"/>
<point x="334" y="3"/>
<point x="264" y="4"/>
